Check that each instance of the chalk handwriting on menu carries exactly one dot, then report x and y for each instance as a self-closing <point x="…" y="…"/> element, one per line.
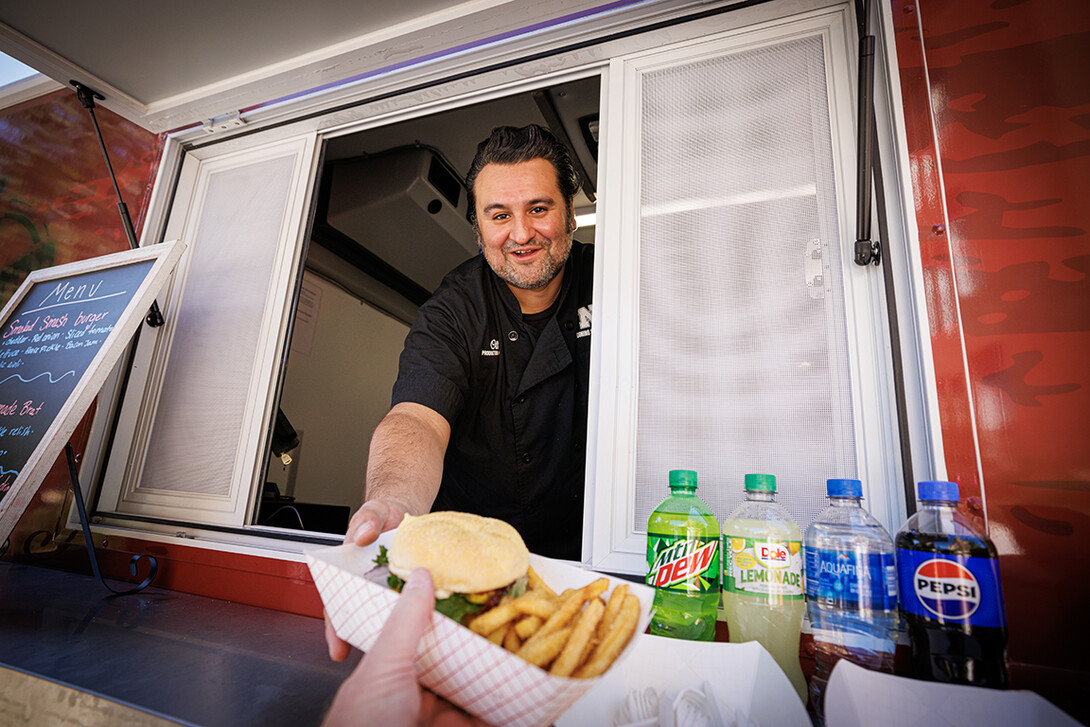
<point x="44" y="349"/>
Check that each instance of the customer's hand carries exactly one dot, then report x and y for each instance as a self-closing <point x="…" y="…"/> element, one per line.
<point x="373" y="517"/>
<point x="383" y="690"/>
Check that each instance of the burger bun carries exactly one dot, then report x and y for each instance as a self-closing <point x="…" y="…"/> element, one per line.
<point x="464" y="553"/>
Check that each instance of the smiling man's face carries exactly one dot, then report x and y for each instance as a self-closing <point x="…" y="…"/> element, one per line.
<point x="524" y="224"/>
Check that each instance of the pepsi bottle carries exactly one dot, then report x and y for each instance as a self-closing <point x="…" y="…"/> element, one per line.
<point x="951" y="600"/>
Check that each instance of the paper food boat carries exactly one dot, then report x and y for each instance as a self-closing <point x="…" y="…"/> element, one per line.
<point x="858" y="697"/>
<point x="484" y="679"/>
<point x="749" y="685"/>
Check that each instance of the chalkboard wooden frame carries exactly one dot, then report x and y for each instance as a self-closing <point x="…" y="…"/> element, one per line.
<point x="162" y="258"/>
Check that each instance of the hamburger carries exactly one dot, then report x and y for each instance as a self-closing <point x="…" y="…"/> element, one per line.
<point x="474" y="561"/>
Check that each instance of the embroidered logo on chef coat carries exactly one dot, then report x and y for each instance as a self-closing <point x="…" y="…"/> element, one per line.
<point x="493" y="349"/>
<point x="584" y="321"/>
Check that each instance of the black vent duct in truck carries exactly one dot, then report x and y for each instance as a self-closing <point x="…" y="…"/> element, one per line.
<point x="405" y="206"/>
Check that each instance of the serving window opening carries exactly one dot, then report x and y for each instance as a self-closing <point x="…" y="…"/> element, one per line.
<point x="390" y="220"/>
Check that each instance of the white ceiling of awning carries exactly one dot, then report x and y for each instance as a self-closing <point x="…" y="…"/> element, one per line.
<point x="167" y="65"/>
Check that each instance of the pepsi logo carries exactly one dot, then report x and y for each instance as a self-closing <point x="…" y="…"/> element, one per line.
<point x="946" y="588"/>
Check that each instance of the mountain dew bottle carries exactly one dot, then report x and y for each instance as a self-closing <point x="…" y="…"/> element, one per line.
<point x="683" y="562"/>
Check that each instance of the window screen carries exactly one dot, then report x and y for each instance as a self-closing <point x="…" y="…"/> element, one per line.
<point x="743" y="350"/>
<point x="194" y="440"/>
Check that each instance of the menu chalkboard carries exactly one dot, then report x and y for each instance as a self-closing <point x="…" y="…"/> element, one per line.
<point x="60" y="334"/>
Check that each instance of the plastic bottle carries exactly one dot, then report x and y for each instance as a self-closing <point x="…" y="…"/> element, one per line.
<point x="951" y="598"/>
<point x="762" y="576"/>
<point x="851" y="589"/>
<point x="683" y="562"/>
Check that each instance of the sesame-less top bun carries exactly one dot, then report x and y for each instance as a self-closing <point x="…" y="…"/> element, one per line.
<point x="464" y="553"/>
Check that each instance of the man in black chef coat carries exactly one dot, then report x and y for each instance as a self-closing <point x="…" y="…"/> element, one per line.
<point x="490" y="405"/>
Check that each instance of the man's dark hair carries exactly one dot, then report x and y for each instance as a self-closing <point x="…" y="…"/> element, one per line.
<point x="514" y="145"/>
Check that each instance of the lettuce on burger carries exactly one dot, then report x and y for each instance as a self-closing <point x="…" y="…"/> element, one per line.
<point x="474" y="561"/>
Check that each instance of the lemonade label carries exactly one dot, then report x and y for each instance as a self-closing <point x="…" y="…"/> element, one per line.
<point x="763" y="567"/>
<point x="685" y="565"/>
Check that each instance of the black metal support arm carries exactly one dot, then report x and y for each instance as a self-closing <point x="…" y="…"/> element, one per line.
<point x="153" y="565"/>
<point x="867" y="252"/>
<point x="87" y="98"/>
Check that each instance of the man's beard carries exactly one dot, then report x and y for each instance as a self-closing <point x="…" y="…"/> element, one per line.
<point x="540" y="275"/>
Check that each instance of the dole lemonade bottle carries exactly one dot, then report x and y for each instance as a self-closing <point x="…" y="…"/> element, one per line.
<point x="762" y="577"/>
<point x="683" y="562"/>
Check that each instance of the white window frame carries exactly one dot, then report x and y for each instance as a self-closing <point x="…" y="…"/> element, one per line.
<point x="122" y="491"/>
<point x="325" y="115"/>
<point x="615" y="545"/>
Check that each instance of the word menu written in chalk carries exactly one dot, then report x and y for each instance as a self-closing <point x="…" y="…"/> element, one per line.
<point x="46" y="345"/>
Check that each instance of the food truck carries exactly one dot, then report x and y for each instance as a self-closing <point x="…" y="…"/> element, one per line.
<point x="805" y="264"/>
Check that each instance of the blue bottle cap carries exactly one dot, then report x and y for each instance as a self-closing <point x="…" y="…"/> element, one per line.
<point x="844" y="488"/>
<point x="937" y="490"/>
<point x="766" y="483"/>
<point x="683" y="478"/>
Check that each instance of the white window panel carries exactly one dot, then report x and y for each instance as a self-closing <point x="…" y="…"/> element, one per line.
<point x="743" y="336"/>
<point x="197" y="406"/>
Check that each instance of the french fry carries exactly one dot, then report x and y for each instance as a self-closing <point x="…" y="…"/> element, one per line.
<point x="543" y="651"/>
<point x="528" y="626"/>
<point x="614" y="605"/>
<point x="558" y="620"/>
<point x="489" y="621"/>
<point x="595" y="589"/>
<point x="511" y="640"/>
<point x="536" y="584"/>
<point x="572" y="652"/>
<point x="497" y="636"/>
<point x="592" y="644"/>
<point x="536" y="606"/>
<point x="615" y="640"/>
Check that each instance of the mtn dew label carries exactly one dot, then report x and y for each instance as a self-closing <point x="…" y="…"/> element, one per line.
<point x="756" y="566"/>
<point x="683" y="564"/>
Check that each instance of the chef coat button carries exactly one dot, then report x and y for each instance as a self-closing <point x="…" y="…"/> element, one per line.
<point x="513" y="336"/>
<point x="527" y="458"/>
<point x="569" y="325"/>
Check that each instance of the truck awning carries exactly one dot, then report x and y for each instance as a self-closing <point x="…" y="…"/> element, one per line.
<point x="166" y="66"/>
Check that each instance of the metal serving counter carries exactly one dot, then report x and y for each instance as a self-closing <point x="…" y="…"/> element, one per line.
<point x="186" y="658"/>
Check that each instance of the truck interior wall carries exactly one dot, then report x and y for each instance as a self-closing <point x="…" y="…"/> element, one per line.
<point x="355" y="373"/>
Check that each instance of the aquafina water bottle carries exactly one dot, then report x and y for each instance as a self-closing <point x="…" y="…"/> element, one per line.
<point x="851" y="588"/>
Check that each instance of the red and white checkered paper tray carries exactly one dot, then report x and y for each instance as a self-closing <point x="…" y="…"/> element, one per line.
<point x="469" y="670"/>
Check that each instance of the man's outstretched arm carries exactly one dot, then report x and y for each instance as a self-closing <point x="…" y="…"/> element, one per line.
<point x="404" y="469"/>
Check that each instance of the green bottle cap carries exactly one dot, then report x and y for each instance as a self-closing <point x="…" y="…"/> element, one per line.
<point x="766" y="483"/>
<point x="683" y="478"/>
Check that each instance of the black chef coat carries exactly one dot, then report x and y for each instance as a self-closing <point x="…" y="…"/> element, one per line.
<point x="515" y="398"/>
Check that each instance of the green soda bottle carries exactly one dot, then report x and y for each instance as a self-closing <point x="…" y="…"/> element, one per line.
<point x="683" y="562"/>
